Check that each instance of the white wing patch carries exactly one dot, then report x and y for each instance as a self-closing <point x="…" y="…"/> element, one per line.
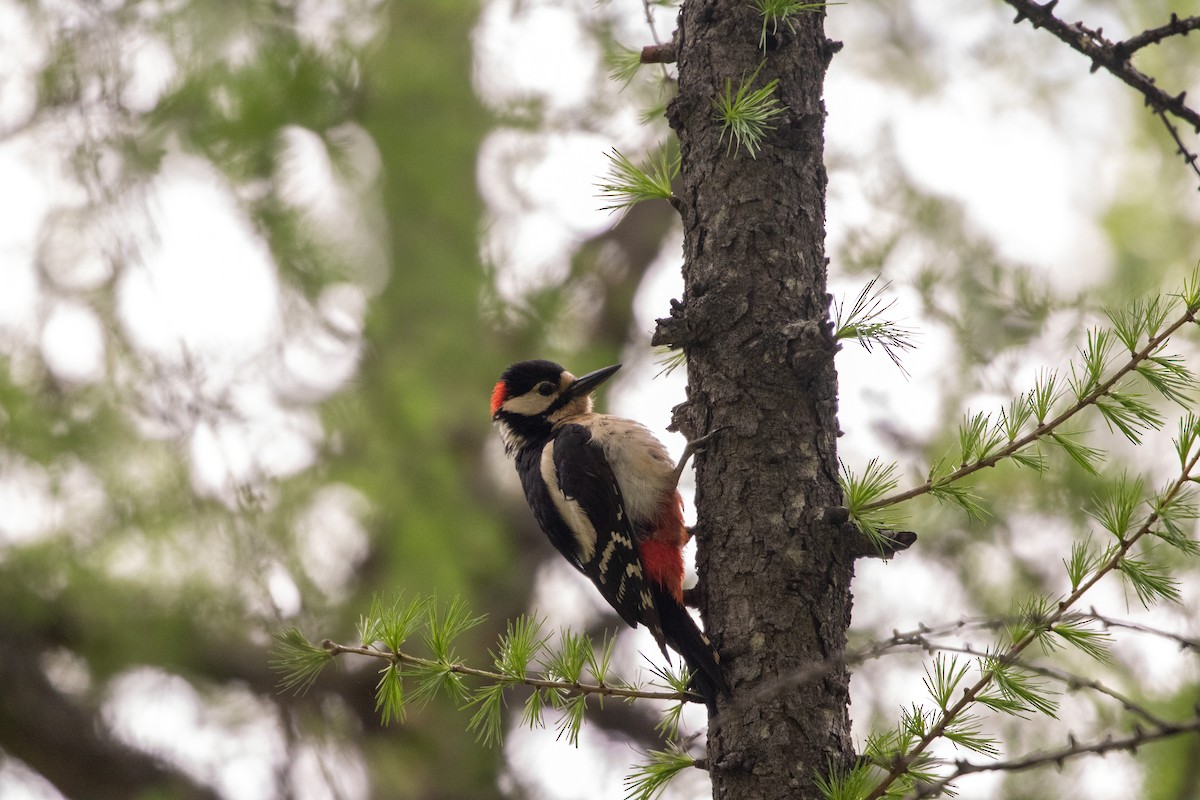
<point x="570" y="509"/>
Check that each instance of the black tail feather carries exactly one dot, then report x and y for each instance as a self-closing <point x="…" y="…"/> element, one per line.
<point x="686" y="638"/>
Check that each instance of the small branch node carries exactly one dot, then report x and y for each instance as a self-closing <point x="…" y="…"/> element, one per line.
<point x="659" y="53"/>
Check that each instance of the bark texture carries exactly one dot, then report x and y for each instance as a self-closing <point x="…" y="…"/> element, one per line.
<point x="775" y="574"/>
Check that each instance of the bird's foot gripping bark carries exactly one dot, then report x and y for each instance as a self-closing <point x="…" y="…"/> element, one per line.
<point x="693" y="447"/>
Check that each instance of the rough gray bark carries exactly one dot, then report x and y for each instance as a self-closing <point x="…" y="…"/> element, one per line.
<point x="775" y="574"/>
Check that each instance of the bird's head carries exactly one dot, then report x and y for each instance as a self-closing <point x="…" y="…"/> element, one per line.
<point x="531" y="396"/>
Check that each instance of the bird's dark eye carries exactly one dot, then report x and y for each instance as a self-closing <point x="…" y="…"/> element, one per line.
<point x="545" y="388"/>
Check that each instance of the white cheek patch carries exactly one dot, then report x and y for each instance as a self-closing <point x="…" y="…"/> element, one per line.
<point x="570" y="510"/>
<point x="529" y="404"/>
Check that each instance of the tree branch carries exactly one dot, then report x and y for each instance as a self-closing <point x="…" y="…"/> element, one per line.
<point x="1178" y="26"/>
<point x="659" y="53"/>
<point x="969" y="696"/>
<point x="1073" y="749"/>
<point x="1046" y="428"/>
<point x="925" y="638"/>
<point x="567" y="687"/>
<point x="1104" y="53"/>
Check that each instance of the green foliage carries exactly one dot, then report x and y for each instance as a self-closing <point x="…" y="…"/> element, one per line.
<point x="438" y="678"/>
<point x="567" y="662"/>
<point x="298" y="661"/>
<point x="677" y="681"/>
<point x="1185" y="440"/>
<point x="440" y="632"/>
<point x="887" y="748"/>
<point x="1094" y="644"/>
<point x="1030" y="621"/>
<point x="960" y="496"/>
<point x="389" y="695"/>
<point x="1117" y="505"/>
<point x="521" y="643"/>
<point x="978" y="438"/>
<point x="945" y="679"/>
<point x="1085" y="456"/>
<point x="1130" y="414"/>
<point x="535" y="705"/>
<point x="965" y="732"/>
<point x="1016" y="416"/>
<point x="746" y="115"/>
<point x="1175" y="515"/>
<point x="865" y="322"/>
<point x="1083" y="562"/>
<point x="1044" y="395"/>
<point x="1150" y="582"/>
<point x="1128" y="393"/>
<point x="628" y="184"/>
<point x="1143" y="317"/>
<point x="650" y="778"/>
<point x="1169" y="376"/>
<point x="623" y="63"/>
<point x="1016" y="690"/>
<point x="559" y="685"/>
<point x="572" y="709"/>
<point x="442" y="629"/>
<point x="1190" y="293"/>
<point x="984" y="441"/>
<point x="668" y="725"/>
<point x="774" y="12"/>
<point x="1088" y="372"/>
<point x="840" y="783"/>
<point x="487" y="723"/>
<point x="876" y="482"/>
<point x="669" y="359"/>
<point x="392" y="625"/>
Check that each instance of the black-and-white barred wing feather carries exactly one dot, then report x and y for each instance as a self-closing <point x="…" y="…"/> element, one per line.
<point x="586" y="493"/>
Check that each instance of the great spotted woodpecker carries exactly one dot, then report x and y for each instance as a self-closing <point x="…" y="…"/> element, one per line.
<point x="603" y="489"/>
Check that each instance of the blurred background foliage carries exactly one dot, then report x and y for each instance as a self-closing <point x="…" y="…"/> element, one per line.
<point x="264" y="260"/>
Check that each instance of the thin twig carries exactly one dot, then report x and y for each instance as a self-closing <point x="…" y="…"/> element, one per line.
<point x="1073" y="749"/>
<point x="1184" y="642"/>
<point x="1178" y="26"/>
<point x="1180" y="147"/>
<point x="925" y="638"/>
<point x="899" y="640"/>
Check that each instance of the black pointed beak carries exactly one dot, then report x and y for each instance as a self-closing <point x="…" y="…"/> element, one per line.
<point x="588" y="383"/>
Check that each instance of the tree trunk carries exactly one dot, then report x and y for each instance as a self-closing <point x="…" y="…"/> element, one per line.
<point x="775" y="575"/>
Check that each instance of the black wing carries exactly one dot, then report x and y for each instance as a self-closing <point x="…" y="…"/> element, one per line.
<point x="587" y="487"/>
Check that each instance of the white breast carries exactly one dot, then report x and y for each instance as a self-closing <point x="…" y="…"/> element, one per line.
<point x="639" y="460"/>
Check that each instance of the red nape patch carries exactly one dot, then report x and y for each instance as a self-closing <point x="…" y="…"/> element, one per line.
<point x="663" y="562"/>
<point x="499" y="395"/>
